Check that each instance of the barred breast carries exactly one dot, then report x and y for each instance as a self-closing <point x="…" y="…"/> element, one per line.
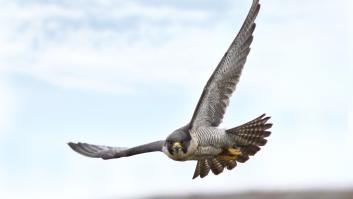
<point x="211" y="141"/>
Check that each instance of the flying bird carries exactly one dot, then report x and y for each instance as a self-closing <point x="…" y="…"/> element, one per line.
<point x="201" y="140"/>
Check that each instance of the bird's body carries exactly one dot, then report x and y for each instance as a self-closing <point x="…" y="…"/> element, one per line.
<point x="206" y="142"/>
<point x="213" y="148"/>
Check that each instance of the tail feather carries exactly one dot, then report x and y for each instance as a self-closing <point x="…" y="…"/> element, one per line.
<point x="243" y="158"/>
<point x="229" y="164"/>
<point x="216" y="166"/>
<point x="250" y="150"/>
<point x="204" y="168"/>
<point x="250" y="136"/>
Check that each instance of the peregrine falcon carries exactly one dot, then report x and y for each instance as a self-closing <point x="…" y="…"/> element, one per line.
<point x="213" y="148"/>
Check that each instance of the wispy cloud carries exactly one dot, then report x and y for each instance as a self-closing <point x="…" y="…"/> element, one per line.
<point x="67" y="46"/>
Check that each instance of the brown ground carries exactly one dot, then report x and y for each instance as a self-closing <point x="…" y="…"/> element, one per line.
<point x="342" y="194"/>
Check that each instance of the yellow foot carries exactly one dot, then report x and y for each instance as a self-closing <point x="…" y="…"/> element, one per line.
<point x="234" y="151"/>
<point x="230" y="154"/>
<point x="226" y="157"/>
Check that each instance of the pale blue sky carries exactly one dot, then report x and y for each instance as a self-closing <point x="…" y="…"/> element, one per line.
<point x="129" y="72"/>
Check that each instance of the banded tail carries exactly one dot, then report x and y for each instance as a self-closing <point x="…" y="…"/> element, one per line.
<point x="250" y="136"/>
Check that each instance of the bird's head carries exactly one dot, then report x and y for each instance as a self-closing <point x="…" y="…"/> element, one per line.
<point x="178" y="143"/>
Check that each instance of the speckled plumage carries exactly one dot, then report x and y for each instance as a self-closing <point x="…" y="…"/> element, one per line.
<point x="213" y="148"/>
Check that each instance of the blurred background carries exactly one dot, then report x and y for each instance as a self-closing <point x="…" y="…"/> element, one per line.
<point x="129" y="72"/>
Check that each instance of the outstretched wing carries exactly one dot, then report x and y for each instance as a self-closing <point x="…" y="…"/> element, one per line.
<point x="215" y="96"/>
<point x="107" y="152"/>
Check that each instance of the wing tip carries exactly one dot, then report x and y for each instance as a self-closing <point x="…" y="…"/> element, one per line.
<point x="76" y="146"/>
<point x="73" y="145"/>
<point x="83" y="149"/>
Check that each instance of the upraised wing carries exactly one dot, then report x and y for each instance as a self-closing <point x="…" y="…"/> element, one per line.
<point x="215" y="96"/>
<point x="107" y="152"/>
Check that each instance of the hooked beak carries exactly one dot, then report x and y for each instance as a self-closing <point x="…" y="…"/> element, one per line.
<point x="176" y="146"/>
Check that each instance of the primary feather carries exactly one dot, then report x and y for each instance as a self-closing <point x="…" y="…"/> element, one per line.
<point x="215" y="96"/>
